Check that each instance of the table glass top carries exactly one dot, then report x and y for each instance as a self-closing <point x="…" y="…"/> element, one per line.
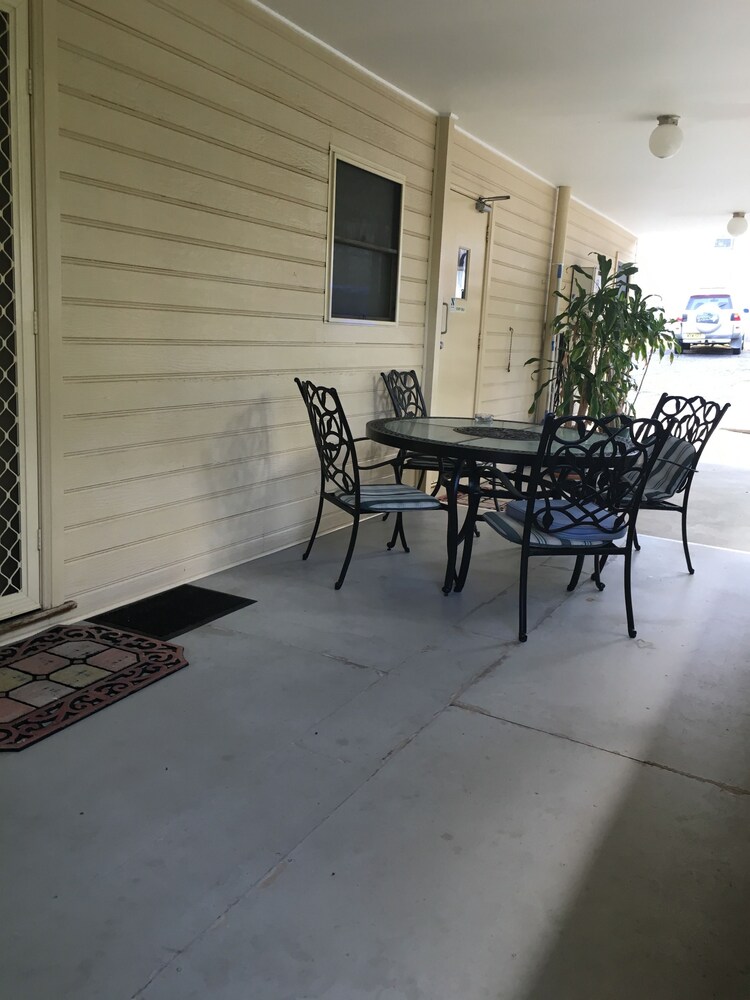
<point x="462" y="432"/>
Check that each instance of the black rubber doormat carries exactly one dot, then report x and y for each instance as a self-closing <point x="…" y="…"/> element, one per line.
<point x="173" y="612"/>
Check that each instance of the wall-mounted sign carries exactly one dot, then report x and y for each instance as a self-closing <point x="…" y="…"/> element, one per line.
<point x="457" y="305"/>
<point x="724" y="241"/>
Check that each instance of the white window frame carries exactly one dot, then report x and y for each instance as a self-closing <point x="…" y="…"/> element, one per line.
<point x="356" y="161"/>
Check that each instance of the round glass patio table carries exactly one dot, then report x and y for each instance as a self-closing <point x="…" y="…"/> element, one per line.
<point x="468" y="444"/>
<point x="504" y="442"/>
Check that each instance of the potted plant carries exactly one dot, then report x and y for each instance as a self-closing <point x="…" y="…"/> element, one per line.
<point x="601" y="336"/>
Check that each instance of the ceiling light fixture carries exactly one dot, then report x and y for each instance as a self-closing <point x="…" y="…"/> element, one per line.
<point x="666" y="138"/>
<point x="737" y="225"/>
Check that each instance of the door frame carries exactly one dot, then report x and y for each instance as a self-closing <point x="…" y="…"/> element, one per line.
<point x="48" y="271"/>
<point x="29" y="596"/>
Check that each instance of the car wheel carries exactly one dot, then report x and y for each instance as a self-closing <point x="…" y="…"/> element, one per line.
<point x="736" y="350"/>
<point x="686" y="347"/>
<point x="737" y="346"/>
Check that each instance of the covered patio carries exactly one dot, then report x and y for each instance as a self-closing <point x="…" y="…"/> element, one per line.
<point x="371" y="794"/>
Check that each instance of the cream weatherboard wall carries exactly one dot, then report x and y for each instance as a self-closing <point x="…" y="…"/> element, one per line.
<point x="194" y="144"/>
<point x="589" y="234"/>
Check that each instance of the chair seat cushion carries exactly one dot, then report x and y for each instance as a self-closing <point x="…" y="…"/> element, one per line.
<point x="510" y="525"/>
<point x="381" y="498"/>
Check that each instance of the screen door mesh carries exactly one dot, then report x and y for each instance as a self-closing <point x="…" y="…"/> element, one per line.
<point x="10" y="492"/>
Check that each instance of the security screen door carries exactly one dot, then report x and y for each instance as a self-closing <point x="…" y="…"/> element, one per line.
<point x="19" y="555"/>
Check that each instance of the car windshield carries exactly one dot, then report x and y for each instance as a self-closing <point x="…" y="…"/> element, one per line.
<point x="700" y="301"/>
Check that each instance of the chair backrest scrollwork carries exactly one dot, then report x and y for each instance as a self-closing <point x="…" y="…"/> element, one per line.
<point x="591" y="473"/>
<point x="405" y="392"/>
<point x="691" y="418"/>
<point x="332" y="434"/>
<point x="690" y="421"/>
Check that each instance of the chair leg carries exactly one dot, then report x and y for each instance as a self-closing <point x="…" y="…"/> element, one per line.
<point x="684" y="538"/>
<point x="439" y="480"/>
<point x="636" y="542"/>
<point x="628" y="596"/>
<point x="468" y="533"/>
<point x="349" y="551"/>
<point x="306" y="553"/>
<point x="522" y="586"/>
<point x="452" y="535"/>
<point x="576" y="573"/>
<point x="599" y="562"/>
<point x="398" y="532"/>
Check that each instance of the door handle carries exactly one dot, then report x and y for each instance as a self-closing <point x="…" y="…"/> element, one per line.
<point x="444" y="330"/>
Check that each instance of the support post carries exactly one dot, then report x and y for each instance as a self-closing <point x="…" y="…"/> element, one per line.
<point x="444" y="134"/>
<point x="557" y="267"/>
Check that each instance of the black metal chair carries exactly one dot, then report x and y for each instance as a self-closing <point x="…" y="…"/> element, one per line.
<point x="585" y="487"/>
<point x="340" y="482"/>
<point x="689" y="422"/>
<point x="408" y="401"/>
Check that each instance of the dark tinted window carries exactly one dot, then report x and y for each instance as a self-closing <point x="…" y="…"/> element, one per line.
<point x="367" y="223"/>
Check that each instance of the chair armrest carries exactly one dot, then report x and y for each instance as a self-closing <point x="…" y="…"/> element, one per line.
<point x="378" y="465"/>
<point x="507" y="484"/>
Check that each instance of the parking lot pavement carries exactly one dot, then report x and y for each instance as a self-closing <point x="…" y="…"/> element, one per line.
<point x="705" y="371"/>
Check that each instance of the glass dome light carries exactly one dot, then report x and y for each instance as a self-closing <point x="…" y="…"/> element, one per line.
<point x="666" y="138"/>
<point x="737" y="225"/>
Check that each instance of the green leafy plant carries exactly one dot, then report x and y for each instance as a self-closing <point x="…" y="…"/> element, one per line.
<point x="602" y="335"/>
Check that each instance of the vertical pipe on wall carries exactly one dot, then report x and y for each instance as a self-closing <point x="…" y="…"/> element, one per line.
<point x="556" y="270"/>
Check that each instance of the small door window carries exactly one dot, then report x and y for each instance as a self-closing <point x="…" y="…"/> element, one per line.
<point x="462" y="273"/>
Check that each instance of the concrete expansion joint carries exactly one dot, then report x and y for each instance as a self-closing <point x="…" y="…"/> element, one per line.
<point x="353" y="663"/>
<point x="721" y="785"/>
<point x="410" y="738"/>
<point x="482" y="674"/>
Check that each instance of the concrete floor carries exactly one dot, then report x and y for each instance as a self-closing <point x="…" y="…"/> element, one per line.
<point x="378" y="793"/>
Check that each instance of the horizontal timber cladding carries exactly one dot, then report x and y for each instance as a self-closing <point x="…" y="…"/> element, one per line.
<point x="519" y="250"/>
<point x="590" y="234"/>
<point x="194" y="141"/>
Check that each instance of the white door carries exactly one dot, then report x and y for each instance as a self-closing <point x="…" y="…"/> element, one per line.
<point x="462" y="285"/>
<point x="19" y="517"/>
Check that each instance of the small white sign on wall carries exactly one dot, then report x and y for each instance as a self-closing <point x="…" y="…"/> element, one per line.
<point x="457" y="305"/>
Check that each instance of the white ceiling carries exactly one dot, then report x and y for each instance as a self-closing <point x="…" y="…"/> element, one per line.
<point x="571" y="90"/>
